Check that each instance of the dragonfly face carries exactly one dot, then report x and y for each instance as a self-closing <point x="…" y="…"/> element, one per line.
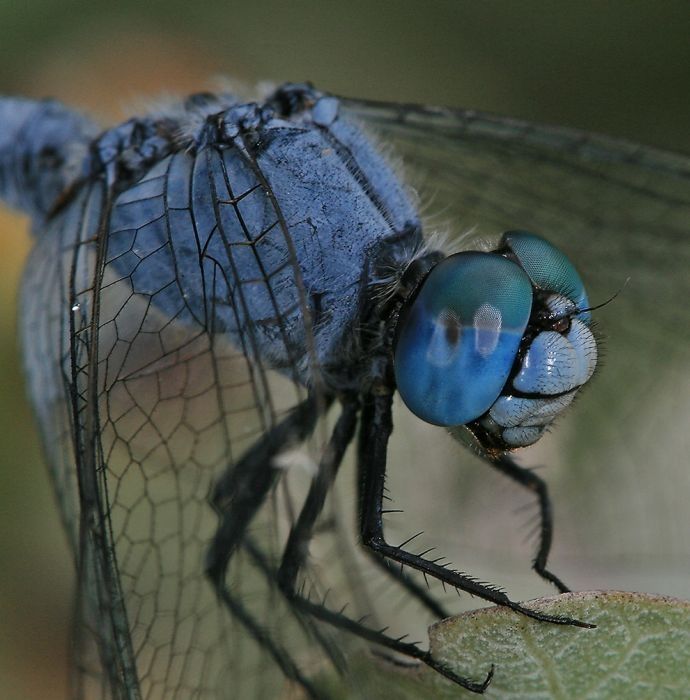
<point x="212" y="289"/>
<point x="497" y="341"/>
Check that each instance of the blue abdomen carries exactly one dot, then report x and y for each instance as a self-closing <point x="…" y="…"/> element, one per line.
<point x="42" y="147"/>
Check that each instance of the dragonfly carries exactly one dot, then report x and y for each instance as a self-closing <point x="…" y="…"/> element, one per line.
<point x="224" y="300"/>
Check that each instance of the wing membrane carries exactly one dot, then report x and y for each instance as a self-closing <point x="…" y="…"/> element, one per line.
<point x="166" y="329"/>
<point x="620" y="211"/>
<point x="163" y="302"/>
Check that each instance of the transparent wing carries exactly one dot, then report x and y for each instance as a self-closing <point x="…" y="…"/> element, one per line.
<point x="143" y="316"/>
<point x="146" y="322"/>
<point x="617" y="464"/>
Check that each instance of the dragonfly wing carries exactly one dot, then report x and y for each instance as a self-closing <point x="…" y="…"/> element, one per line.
<point x="167" y="328"/>
<point x="621" y="212"/>
<point x="145" y="327"/>
<point x="59" y="341"/>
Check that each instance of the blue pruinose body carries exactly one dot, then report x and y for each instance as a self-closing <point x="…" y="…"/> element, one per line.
<point x="200" y="233"/>
<point x="223" y="290"/>
<point x="273" y="225"/>
<point x="196" y="230"/>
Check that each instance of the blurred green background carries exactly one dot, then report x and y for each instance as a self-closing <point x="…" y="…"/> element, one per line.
<point x="617" y="67"/>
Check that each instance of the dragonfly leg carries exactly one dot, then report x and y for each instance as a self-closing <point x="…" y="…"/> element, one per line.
<point x="301" y="532"/>
<point x="410" y="585"/>
<point x="536" y="484"/>
<point x="295" y="552"/>
<point x="279" y="654"/>
<point x="377" y="426"/>
<point x="341" y="621"/>
<point x="236" y="496"/>
<point x="242" y="488"/>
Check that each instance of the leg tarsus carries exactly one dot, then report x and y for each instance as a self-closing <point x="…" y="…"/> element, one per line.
<point x="472" y="686"/>
<point x="527" y="478"/>
<point x="379" y="637"/>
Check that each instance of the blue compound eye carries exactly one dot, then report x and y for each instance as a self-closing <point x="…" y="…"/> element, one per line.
<point x="548" y="268"/>
<point x="457" y="341"/>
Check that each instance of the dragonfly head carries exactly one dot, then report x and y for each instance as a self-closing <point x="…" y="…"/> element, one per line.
<point x="498" y="343"/>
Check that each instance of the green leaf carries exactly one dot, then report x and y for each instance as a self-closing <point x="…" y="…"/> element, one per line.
<point x="639" y="649"/>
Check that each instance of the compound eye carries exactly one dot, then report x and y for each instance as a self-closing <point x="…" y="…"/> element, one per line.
<point x="548" y="268"/>
<point x="457" y="340"/>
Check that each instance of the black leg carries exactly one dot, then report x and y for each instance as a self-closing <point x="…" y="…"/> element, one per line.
<point x="302" y="531"/>
<point x="377" y="426"/>
<point x="296" y="550"/>
<point x="341" y="621"/>
<point x="410" y="585"/>
<point x="236" y="496"/>
<point x="242" y="488"/>
<point x="534" y="483"/>
<point x="263" y="638"/>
